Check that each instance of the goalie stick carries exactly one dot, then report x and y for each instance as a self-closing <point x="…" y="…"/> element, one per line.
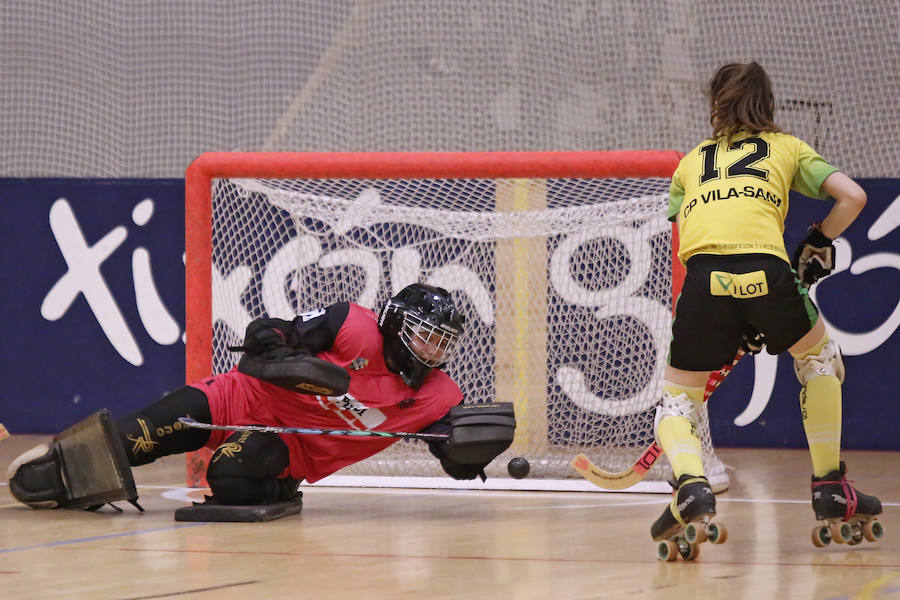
<point x="313" y="431"/>
<point x="636" y="472"/>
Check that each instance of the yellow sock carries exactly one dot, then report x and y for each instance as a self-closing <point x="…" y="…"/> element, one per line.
<point x="679" y="438"/>
<point x="820" y="407"/>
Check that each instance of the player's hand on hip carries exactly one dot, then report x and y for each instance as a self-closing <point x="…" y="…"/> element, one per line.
<point x="814" y="257"/>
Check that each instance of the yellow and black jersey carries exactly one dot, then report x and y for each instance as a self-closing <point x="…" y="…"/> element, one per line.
<point x="733" y="199"/>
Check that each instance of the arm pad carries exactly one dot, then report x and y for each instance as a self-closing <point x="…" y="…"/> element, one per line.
<point x="478" y="434"/>
<point x="309" y="333"/>
<point x="281" y="352"/>
<point x="298" y="372"/>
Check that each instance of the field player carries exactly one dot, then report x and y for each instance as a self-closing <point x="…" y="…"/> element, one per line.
<point x="356" y="370"/>
<point x="729" y="198"/>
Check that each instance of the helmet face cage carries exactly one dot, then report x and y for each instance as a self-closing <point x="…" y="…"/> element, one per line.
<point x="425" y="322"/>
<point x="432" y="344"/>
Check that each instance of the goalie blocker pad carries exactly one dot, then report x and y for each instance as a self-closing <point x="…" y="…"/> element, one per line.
<point x="299" y="373"/>
<point x="480" y="432"/>
<point x="84" y="466"/>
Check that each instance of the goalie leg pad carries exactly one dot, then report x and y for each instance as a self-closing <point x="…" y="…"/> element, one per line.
<point x="480" y="432"/>
<point x="299" y="373"/>
<point x="827" y="361"/>
<point x="243" y="477"/>
<point x="84" y="466"/>
<point x="245" y="470"/>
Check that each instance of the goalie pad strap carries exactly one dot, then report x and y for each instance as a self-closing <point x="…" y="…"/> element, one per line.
<point x="299" y="373"/>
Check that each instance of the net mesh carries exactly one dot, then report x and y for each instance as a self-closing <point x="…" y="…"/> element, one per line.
<point x="138" y="89"/>
<point x="565" y="283"/>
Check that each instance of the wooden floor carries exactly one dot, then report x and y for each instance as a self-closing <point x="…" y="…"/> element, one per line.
<point x="364" y="544"/>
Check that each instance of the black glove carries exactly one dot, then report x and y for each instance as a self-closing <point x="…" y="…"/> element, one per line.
<point x="478" y="434"/>
<point x="752" y="341"/>
<point x="814" y="257"/>
<point x="266" y="338"/>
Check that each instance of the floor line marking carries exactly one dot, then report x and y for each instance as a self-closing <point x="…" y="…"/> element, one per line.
<point x="550" y="559"/>
<point x="99" y="537"/>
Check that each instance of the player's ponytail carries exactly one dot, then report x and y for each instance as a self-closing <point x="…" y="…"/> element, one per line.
<point x="740" y="98"/>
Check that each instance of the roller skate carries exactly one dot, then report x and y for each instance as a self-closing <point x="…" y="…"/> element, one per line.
<point x="847" y="516"/>
<point x="686" y="522"/>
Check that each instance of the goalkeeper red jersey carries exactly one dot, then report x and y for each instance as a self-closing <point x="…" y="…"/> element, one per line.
<point x="377" y="399"/>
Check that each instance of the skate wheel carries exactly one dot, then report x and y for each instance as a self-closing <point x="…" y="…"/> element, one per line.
<point x="717" y="533"/>
<point x="857" y="537"/>
<point x="841" y="532"/>
<point x="873" y="530"/>
<point x="667" y="550"/>
<point x="694" y="534"/>
<point x="689" y="551"/>
<point x="821" y="537"/>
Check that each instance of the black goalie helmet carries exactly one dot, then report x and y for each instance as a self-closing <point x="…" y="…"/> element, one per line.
<point x="421" y="328"/>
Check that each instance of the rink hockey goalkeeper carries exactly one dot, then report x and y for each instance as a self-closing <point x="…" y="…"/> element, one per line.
<point x="342" y="367"/>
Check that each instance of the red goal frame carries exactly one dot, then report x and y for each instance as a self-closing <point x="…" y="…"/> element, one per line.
<point x="205" y="168"/>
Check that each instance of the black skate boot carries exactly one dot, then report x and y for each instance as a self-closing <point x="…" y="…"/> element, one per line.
<point x="848" y="515"/>
<point x="84" y="466"/>
<point x="685" y="524"/>
<point x="35" y="478"/>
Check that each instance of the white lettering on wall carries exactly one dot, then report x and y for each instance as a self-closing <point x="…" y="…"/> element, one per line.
<point x="621" y="299"/>
<point x="84" y="277"/>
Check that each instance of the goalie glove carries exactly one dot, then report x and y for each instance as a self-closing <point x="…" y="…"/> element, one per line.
<point x="814" y="257"/>
<point x="269" y="356"/>
<point x="478" y="434"/>
<point x="266" y="338"/>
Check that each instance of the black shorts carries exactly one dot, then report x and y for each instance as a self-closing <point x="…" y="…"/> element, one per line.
<point x="723" y="295"/>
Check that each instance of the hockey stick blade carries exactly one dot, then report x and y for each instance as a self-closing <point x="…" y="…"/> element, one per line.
<point x="617" y="481"/>
<point x="313" y="431"/>
<point x="635" y="473"/>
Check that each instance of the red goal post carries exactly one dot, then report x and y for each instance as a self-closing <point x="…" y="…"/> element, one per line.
<point x="207" y="169"/>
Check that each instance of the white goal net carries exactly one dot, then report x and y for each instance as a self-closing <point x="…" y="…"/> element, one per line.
<point x="566" y="284"/>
